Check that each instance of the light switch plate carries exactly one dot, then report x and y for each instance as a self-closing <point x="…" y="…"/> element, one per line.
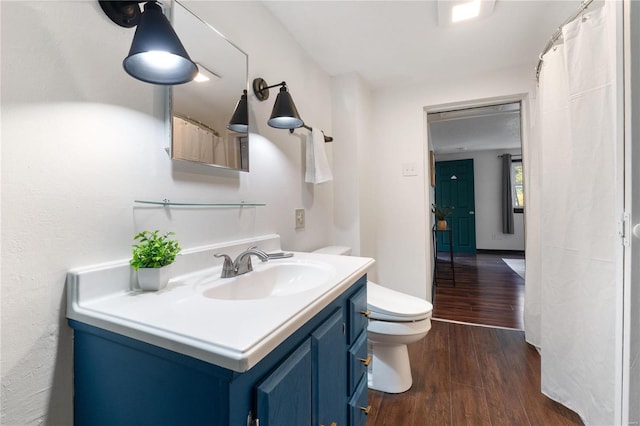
<point x="299" y="215"/>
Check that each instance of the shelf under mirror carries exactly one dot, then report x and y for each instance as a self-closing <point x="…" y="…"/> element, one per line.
<point x="167" y="202"/>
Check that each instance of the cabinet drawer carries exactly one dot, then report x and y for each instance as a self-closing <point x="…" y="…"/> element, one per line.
<point x="358" y="362"/>
<point x="358" y="406"/>
<point x="358" y="315"/>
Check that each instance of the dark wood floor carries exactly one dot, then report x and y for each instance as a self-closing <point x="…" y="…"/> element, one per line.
<point x="487" y="291"/>
<point x="470" y="375"/>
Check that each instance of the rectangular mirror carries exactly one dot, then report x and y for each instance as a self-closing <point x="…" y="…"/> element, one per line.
<point x="201" y="109"/>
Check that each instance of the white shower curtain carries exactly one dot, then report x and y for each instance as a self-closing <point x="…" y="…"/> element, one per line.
<point x="572" y="243"/>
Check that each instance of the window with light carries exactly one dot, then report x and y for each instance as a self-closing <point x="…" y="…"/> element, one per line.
<point x="517" y="186"/>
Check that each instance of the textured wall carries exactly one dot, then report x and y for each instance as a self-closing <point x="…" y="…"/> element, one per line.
<point x="81" y="140"/>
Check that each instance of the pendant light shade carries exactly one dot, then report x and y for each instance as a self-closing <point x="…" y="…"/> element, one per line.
<point x="240" y="119"/>
<point x="157" y="56"/>
<point x="285" y="114"/>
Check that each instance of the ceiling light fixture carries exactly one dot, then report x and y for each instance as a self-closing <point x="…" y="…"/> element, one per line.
<point x="285" y="114"/>
<point x="156" y="56"/>
<point x="456" y="11"/>
<point x="205" y="74"/>
<point x="464" y="11"/>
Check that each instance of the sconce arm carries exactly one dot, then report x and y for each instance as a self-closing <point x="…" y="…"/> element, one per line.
<point x="261" y="88"/>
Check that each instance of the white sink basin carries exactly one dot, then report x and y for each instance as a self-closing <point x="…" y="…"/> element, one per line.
<point x="237" y="323"/>
<point x="272" y="279"/>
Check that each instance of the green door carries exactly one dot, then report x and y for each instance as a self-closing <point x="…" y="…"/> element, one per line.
<point x="454" y="187"/>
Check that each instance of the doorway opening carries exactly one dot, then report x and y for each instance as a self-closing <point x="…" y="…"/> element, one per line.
<point x="479" y="276"/>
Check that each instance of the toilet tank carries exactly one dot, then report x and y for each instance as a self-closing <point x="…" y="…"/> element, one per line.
<point x="340" y="250"/>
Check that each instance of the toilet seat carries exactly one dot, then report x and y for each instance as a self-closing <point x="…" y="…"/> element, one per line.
<point x="389" y="305"/>
<point x="401" y="330"/>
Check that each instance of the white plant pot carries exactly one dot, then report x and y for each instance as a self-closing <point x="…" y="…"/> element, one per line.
<point x="154" y="279"/>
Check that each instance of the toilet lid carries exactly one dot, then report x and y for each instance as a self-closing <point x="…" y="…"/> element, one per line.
<point x="390" y="305"/>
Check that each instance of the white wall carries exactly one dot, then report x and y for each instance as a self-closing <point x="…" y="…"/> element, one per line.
<point x="487" y="169"/>
<point x="632" y="184"/>
<point x="81" y="140"/>
<point x="402" y="203"/>
<point x="354" y="166"/>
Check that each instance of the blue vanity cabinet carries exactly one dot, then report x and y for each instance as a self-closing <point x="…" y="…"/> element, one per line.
<point x="285" y="396"/>
<point x="305" y="380"/>
<point x="328" y="344"/>
<point x="304" y="388"/>
<point x="358" y="360"/>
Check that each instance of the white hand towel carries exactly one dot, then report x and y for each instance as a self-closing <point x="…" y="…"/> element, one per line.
<point x="318" y="169"/>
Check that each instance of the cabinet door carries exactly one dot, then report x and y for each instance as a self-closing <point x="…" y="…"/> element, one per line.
<point x="328" y="344"/>
<point x="284" y="397"/>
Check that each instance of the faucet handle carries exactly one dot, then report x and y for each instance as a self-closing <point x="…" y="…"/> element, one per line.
<point x="228" y="270"/>
<point x="226" y="256"/>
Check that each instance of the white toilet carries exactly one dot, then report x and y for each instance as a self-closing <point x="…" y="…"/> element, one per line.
<point x="396" y="320"/>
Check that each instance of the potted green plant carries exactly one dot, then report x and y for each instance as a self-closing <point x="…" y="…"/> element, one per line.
<point x="441" y="213"/>
<point x="152" y="256"/>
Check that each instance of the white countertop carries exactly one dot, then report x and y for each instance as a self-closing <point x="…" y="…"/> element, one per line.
<point x="234" y="334"/>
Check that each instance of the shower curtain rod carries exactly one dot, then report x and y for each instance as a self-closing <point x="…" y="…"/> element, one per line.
<point x="197" y="123"/>
<point x="557" y="34"/>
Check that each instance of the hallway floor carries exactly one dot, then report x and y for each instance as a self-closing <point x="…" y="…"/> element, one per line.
<point x="471" y="375"/>
<point x="487" y="290"/>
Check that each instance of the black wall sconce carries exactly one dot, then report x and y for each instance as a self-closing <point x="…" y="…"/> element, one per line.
<point x="240" y="119"/>
<point x="285" y="114"/>
<point x="156" y="56"/>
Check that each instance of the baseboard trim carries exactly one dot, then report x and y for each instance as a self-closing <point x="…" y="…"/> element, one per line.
<point x="490" y="251"/>
<point x="475" y="324"/>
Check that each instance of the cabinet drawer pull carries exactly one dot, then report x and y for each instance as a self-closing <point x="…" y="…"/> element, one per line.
<point x="366" y="313"/>
<point x="332" y="424"/>
<point x="366" y="409"/>
<point x="366" y="361"/>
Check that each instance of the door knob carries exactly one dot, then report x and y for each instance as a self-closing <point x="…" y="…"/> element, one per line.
<point x="636" y="231"/>
<point x="472" y="212"/>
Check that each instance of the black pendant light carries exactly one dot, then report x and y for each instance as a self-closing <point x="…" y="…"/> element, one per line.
<point x="285" y="114"/>
<point x="240" y="119"/>
<point x="156" y="56"/>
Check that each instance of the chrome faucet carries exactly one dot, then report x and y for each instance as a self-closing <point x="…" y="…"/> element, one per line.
<point x="242" y="264"/>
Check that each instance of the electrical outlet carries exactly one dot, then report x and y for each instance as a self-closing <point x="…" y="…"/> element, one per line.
<point x="409" y="169"/>
<point x="299" y="213"/>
